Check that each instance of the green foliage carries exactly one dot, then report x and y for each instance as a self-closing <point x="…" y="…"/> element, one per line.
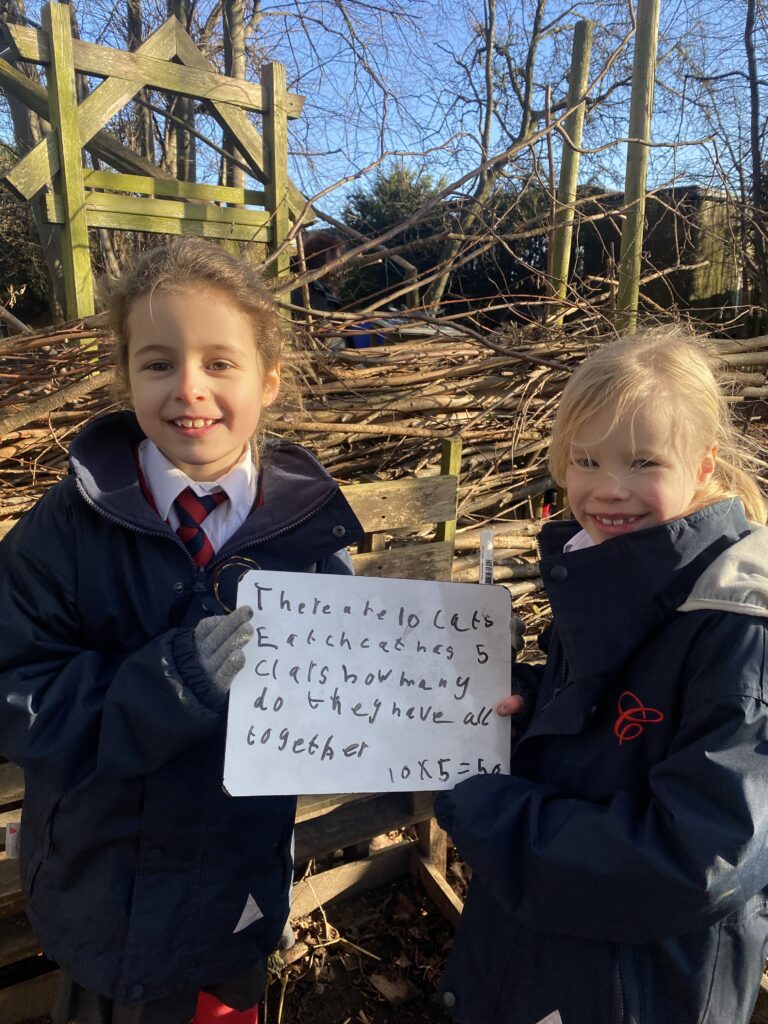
<point x="392" y="198"/>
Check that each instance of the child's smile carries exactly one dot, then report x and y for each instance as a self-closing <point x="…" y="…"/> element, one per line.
<point x="196" y="379"/>
<point x="632" y="475"/>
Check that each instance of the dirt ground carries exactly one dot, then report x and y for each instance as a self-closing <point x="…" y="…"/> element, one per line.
<point x="375" y="959"/>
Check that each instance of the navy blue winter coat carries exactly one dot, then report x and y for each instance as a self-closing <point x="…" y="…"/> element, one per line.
<point x="136" y="865"/>
<point x="621" y="870"/>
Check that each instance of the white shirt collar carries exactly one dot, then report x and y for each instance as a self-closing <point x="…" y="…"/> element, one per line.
<point x="578" y="541"/>
<point x="166" y="481"/>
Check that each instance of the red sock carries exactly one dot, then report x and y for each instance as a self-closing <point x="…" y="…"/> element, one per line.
<point x="211" y="1011"/>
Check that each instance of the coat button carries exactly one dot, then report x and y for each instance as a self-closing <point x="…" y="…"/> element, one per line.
<point x="449" y="1000"/>
<point x="155" y="854"/>
<point x="339" y="531"/>
<point x="179" y="588"/>
<point x="558" y="574"/>
<point x="137" y="992"/>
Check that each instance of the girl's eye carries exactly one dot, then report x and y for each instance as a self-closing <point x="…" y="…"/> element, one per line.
<point x="643" y="464"/>
<point x="158" y="366"/>
<point x="584" y="462"/>
<point x="219" y="365"/>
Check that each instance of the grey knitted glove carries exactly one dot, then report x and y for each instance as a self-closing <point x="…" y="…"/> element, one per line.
<point x="218" y="642"/>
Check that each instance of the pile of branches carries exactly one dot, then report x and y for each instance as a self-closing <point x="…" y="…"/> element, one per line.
<point x="370" y="413"/>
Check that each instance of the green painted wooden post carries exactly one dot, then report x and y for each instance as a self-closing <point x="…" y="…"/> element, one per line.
<point x="450" y="465"/>
<point x="640" y="114"/>
<point x="569" y="167"/>
<point x="276" y="162"/>
<point x="62" y="95"/>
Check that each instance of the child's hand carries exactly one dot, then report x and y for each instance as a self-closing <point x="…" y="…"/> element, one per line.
<point x="218" y="641"/>
<point x="510" y="705"/>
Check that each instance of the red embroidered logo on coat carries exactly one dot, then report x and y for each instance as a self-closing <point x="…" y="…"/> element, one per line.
<point x="633" y="717"/>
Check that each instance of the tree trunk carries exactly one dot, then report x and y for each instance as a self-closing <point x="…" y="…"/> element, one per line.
<point x="142" y="118"/>
<point x="757" y="219"/>
<point x="184" y="108"/>
<point x="233" y="18"/>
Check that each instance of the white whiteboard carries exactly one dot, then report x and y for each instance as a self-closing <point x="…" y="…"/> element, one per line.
<point x="360" y="685"/>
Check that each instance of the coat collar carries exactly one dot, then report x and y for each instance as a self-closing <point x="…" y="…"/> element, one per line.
<point x="295" y="490"/>
<point x="607" y="598"/>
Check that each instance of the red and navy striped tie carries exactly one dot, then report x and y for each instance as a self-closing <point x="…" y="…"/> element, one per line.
<point x="192" y="510"/>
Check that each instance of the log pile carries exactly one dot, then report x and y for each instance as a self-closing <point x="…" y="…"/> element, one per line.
<point x="377" y="412"/>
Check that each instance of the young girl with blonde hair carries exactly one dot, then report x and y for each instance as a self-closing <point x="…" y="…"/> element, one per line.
<point x="159" y="895"/>
<point x="620" y="873"/>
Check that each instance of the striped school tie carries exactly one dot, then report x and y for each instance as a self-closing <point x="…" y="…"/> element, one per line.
<point x="192" y="510"/>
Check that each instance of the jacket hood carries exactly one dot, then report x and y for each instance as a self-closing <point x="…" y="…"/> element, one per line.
<point x="737" y="581"/>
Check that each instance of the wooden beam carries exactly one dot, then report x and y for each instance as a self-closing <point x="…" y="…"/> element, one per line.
<point x="62" y="92"/>
<point x="38" y="167"/>
<point x="416" y="562"/>
<point x="248" y="139"/>
<point x="173" y="189"/>
<point x="438" y="890"/>
<point x="358" y="820"/>
<point x="276" y="164"/>
<point x="349" y="879"/>
<point x="134" y="206"/>
<point x="144" y="70"/>
<point x="175" y="226"/>
<point x="450" y="467"/>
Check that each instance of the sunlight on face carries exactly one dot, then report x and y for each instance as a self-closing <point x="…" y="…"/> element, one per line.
<point x="632" y="475"/>
<point x="196" y="380"/>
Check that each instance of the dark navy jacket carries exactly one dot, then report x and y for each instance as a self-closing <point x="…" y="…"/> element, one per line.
<point x="621" y="870"/>
<point x="136" y="865"/>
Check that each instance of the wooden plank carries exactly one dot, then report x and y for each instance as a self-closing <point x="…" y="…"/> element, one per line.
<point x="175" y="226"/>
<point x="433" y="842"/>
<point x="11" y="899"/>
<point x="17" y="939"/>
<point x="249" y="142"/>
<point x="314" y="806"/>
<point x="62" y="96"/>
<point x="173" y="189"/>
<point x="11" y="785"/>
<point x="358" y="820"/>
<point x="137" y="67"/>
<point x="103" y="144"/>
<point x="450" y="465"/>
<point x="38" y="167"/>
<point x="109" y="202"/>
<point x="276" y="164"/>
<point x="417" y="562"/>
<point x="6" y="526"/>
<point x="349" y="879"/>
<point x="29" y="999"/>
<point x="438" y="890"/>
<point x="395" y="504"/>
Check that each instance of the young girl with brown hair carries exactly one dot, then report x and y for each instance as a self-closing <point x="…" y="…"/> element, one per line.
<point x="160" y="896"/>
